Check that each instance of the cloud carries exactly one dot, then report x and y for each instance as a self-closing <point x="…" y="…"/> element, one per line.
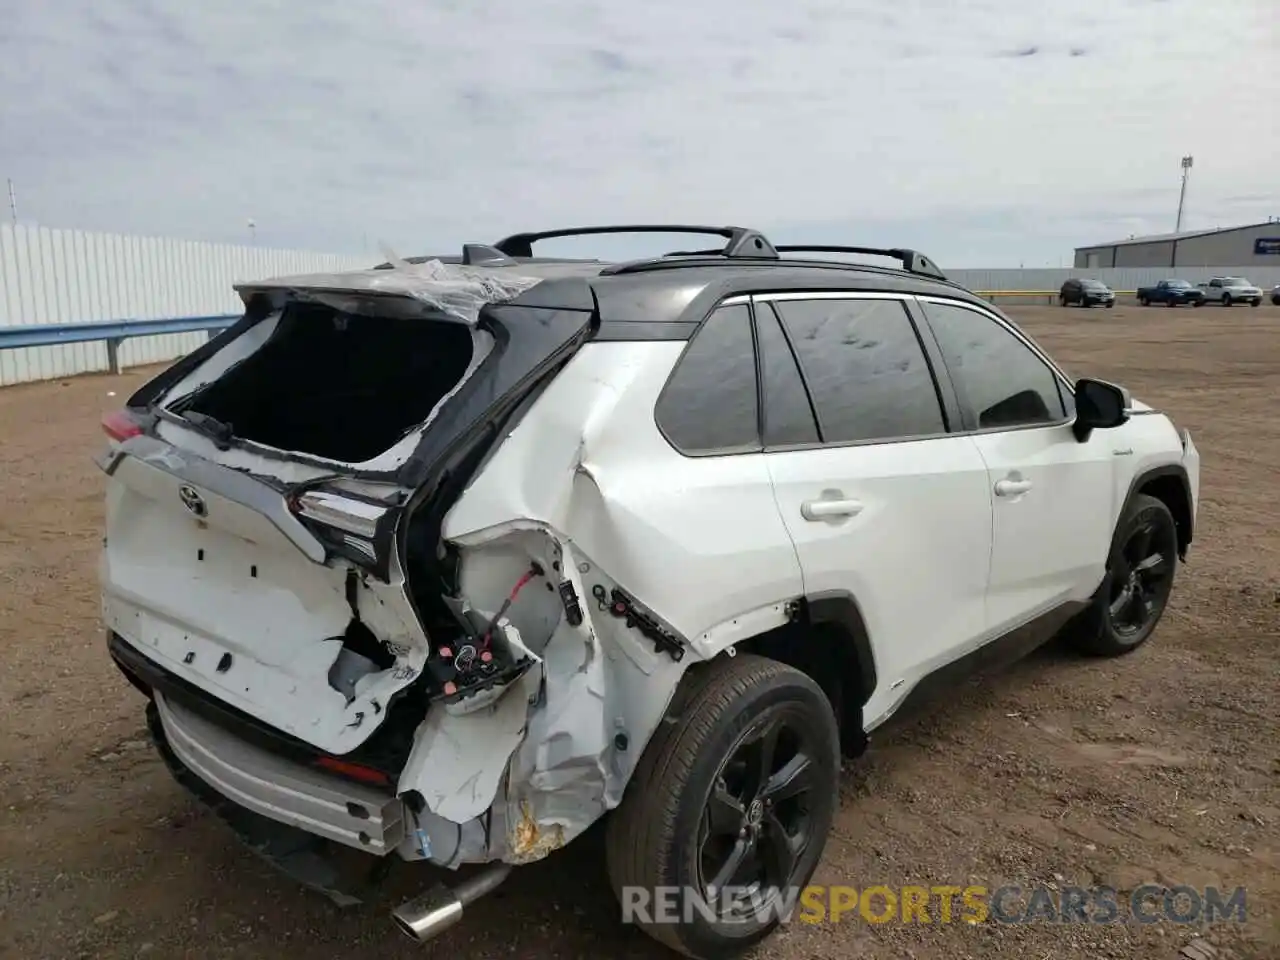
<point x="977" y="132"/>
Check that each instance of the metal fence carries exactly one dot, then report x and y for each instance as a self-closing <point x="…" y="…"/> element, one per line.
<point x="70" y="276"/>
<point x="1120" y="279"/>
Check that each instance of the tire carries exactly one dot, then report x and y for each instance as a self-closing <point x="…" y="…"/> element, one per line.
<point x="1170" y="304"/>
<point x="1275" y="301"/>
<point x="1062" y="300"/>
<point x="1143" y="301"/>
<point x="1110" y="304"/>
<point x="660" y="834"/>
<point x="1102" y="632"/>
<point x="1226" y="299"/>
<point x="1255" y="303"/>
<point x="1200" y="302"/>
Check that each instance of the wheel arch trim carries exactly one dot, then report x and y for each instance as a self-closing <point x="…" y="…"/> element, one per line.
<point x="1182" y="512"/>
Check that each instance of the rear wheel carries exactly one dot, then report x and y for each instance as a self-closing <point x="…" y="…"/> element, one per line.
<point x="1135" y="591"/>
<point x="730" y="806"/>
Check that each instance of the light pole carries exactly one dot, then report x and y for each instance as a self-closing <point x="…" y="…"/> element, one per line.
<point x="1182" y="194"/>
<point x="253" y="232"/>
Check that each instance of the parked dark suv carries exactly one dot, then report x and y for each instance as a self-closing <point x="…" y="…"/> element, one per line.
<point x="1086" y="293"/>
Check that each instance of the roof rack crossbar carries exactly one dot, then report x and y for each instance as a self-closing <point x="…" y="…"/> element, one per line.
<point x="739" y="241"/>
<point x="912" y="261"/>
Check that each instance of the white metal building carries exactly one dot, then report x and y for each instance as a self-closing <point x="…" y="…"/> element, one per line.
<point x="1253" y="245"/>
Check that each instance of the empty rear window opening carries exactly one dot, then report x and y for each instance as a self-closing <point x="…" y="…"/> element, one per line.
<point x="338" y="385"/>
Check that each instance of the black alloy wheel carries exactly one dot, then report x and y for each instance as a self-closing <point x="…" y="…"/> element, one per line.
<point x="756" y="823"/>
<point x="1142" y="578"/>
<point x="1135" y="592"/>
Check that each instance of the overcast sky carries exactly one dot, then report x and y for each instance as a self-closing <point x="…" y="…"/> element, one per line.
<point x="983" y="132"/>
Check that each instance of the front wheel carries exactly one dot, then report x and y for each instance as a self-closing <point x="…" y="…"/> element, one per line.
<point x="1226" y="300"/>
<point x="1143" y="301"/>
<point x="727" y="814"/>
<point x="1136" y="589"/>
<point x="1255" y="303"/>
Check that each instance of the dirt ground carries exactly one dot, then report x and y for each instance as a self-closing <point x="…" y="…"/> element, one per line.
<point x="1162" y="767"/>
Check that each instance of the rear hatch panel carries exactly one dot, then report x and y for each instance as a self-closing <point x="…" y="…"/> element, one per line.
<point x="272" y="579"/>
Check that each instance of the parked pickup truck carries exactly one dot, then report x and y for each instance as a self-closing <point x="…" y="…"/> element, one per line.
<point x="1171" y="293"/>
<point x="1231" y="290"/>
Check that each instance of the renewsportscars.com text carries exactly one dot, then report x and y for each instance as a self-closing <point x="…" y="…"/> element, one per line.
<point x="1033" y="903"/>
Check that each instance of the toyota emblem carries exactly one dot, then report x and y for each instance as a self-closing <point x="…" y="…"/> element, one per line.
<point x="192" y="500"/>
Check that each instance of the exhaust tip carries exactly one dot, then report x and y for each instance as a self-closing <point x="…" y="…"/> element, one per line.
<point x="403" y="925"/>
<point x="428" y="915"/>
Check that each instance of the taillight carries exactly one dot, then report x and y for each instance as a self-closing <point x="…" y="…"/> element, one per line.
<point x="119" y="425"/>
<point x="348" y="524"/>
<point x="358" y="517"/>
<point x="355" y="771"/>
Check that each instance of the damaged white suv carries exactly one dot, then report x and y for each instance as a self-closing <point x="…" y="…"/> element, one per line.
<point x="446" y="560"/>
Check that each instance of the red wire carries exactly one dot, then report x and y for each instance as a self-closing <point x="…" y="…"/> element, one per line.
<point x="515" y="591"/>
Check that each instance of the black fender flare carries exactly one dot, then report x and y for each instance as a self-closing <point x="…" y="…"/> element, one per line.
<point x="1167" y="479"/>
<point x="838" y="611"/>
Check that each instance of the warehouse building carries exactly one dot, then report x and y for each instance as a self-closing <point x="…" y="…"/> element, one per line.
<point x="1255" y="245"/>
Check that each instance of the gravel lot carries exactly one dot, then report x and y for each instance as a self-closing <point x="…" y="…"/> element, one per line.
<point x="1163" y="766"/>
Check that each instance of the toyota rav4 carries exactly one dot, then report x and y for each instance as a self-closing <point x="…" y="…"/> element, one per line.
<point x="448" y="559"/>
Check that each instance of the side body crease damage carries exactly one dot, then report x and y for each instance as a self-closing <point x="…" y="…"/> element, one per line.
<point x="518" y="771"/>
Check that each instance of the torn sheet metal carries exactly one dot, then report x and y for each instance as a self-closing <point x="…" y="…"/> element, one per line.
<point x="452" y="290"/>
<point x="458" y="760"/>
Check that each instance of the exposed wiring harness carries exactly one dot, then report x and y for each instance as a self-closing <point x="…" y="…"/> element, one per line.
<point x="534" y="571"/>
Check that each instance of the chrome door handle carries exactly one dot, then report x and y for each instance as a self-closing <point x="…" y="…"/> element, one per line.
<point x="1012" y="488"/>
<point x="830" y="510"/>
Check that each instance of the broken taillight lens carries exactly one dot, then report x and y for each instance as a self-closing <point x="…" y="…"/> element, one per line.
<point x="120" y="425"/>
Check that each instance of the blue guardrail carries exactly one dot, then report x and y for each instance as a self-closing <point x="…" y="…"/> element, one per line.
<point x="114" y="332"/>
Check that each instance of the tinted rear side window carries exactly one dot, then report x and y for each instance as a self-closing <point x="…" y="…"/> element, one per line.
<point x="865" y="369"/>
<point x="1000" y="379"/>
<point x="709" y="404"/>
<point x="788" y="415"/>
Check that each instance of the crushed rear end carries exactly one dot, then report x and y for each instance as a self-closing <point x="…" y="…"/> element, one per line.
<point x="273" y="575"/>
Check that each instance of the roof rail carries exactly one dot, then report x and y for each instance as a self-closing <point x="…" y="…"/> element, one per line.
<point x="911" y="260"/>
<point x="739" y="241"/>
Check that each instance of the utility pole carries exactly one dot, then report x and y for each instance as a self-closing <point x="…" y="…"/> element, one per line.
<point x="1182" y="194"/>
<point x="13" y="203"/>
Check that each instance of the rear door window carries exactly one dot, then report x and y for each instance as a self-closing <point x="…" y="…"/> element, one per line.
<point x="865" y="369"/>
<point x="788" y="409"/>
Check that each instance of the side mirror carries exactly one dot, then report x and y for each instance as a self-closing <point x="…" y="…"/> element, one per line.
<point x="1099" y="406"/>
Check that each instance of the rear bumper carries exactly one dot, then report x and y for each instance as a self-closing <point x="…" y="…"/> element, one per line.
<point x="151" y="678"/>
<point x="263" y="783"/>
<point x="304" y="857"/>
